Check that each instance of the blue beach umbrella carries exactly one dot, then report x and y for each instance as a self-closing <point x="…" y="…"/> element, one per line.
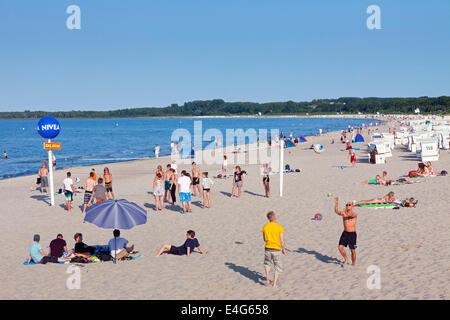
<point x="116" y="214"/>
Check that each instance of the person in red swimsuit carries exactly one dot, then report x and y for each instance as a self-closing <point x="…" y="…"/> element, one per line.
<point x="352" y="156"/>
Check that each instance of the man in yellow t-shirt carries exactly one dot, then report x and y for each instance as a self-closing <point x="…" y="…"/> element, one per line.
<point x="275" y="246"/>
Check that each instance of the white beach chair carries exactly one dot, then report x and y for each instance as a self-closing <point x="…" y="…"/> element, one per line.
<point x="429" y="150"/>
<point x="380" y="158"/>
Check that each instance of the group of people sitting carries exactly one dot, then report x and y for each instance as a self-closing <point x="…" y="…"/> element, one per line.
<point x="58" y="251"/>
<point x="117" y="248"/>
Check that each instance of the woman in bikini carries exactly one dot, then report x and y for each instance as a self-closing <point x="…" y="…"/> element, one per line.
<point x="266" y="179"/>
<point x="107" y="176"/>
<point x="389" y="198"/>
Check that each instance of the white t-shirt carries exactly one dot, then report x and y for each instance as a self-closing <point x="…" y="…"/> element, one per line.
<point x="174" y="167"/>
<point x="68" y="184"/>
<point x="185" y="184"/>
<point x="225" y="162"/>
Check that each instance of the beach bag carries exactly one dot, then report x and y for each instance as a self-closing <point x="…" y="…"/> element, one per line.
<point x="104" y="256"/>
<point x="79" y="259"/>
<point x="413" y="174"/>
<point x="287" y="168"/>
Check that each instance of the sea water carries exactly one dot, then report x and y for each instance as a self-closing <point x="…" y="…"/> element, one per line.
<point x="86" y="142"/>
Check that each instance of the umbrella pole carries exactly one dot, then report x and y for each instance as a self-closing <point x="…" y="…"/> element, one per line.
<point x="115" y="249"/>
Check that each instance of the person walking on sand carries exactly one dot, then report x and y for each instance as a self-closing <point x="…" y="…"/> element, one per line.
<point x="206" y="184"/>
<point x="266" y="179"/>
<point x="168" y="174"/>
<point x="69" y="191"/>
<point x="196" y="179"/>
<point x="238" y="182"/>
<point x="273" y="236"/>
<point x="88" y="188"/>
<point x="348" y="236"/>
<point x="158" y="191"/>
<point x="108" y="181"/>
<point x="43" y="173"/>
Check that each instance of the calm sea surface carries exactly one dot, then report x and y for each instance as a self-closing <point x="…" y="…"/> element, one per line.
<point x="94" y="141"/>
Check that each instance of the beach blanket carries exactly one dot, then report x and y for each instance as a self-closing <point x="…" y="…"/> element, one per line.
<point x="378" y="205"/>
<point x="67" y="260"/>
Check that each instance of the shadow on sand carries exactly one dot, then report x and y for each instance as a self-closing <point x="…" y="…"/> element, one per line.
<point x="41" y="197"/>
<point x="256" y="277"/>
<point x="319" y="256"/>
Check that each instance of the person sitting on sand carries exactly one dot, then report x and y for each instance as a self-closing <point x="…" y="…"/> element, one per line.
<point x="187" y="248"/>
<point x="422" y="170"/>
<point x="118" y="246"/>
<point x="37" y="254"/>
<point x="348" y="236"/>
<point x="58" y="247"/>
<point x="430" y="169"/>
<point x="81" y="247"/>
<point x="389" y="198"/>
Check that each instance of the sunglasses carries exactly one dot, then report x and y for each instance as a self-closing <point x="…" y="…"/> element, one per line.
<point x="348" y="205"/>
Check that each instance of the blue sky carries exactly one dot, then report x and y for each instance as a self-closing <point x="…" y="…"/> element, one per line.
<point x="157" y="52"/>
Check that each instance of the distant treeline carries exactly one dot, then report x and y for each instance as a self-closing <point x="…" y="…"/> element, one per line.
<point x="218" y="107"/>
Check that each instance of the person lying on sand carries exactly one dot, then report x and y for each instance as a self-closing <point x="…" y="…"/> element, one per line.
<point x="377" y="180"/>
<point x="188" y="246"/>
<point x="348" y="236"/>
<point x="389" y="198"/>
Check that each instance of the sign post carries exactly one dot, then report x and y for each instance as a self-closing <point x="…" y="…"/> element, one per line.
<point x="281" y="165"/>
<point x="48" y="128"/>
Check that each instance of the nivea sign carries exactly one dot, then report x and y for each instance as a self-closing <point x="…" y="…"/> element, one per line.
<point x="48" y="127"/>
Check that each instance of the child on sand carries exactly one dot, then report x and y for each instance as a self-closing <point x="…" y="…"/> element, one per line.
<point x="187" y="248"/>
<point x="238" y="182"/>
<point x="158" y="191"/>
<point x="348" y="236"/>
<point x="352" y="155"/>
<point x="206" y="185"/>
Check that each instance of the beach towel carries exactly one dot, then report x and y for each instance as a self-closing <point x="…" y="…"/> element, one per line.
<point x="34" y="263"/>
<point x="378" y="205"/>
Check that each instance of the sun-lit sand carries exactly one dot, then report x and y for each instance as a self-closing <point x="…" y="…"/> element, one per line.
<point x="410" y="246"/>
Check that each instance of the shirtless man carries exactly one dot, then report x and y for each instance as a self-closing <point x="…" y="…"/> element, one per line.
<point x="167" y="183"/>
<point x="348" y="237"/>
<point x="107" y="176"/>
<point x="196" y="179"/>
<point x="43" y="173"/>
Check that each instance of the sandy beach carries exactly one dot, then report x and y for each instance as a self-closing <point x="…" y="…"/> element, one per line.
<point x="411" y="246"/>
